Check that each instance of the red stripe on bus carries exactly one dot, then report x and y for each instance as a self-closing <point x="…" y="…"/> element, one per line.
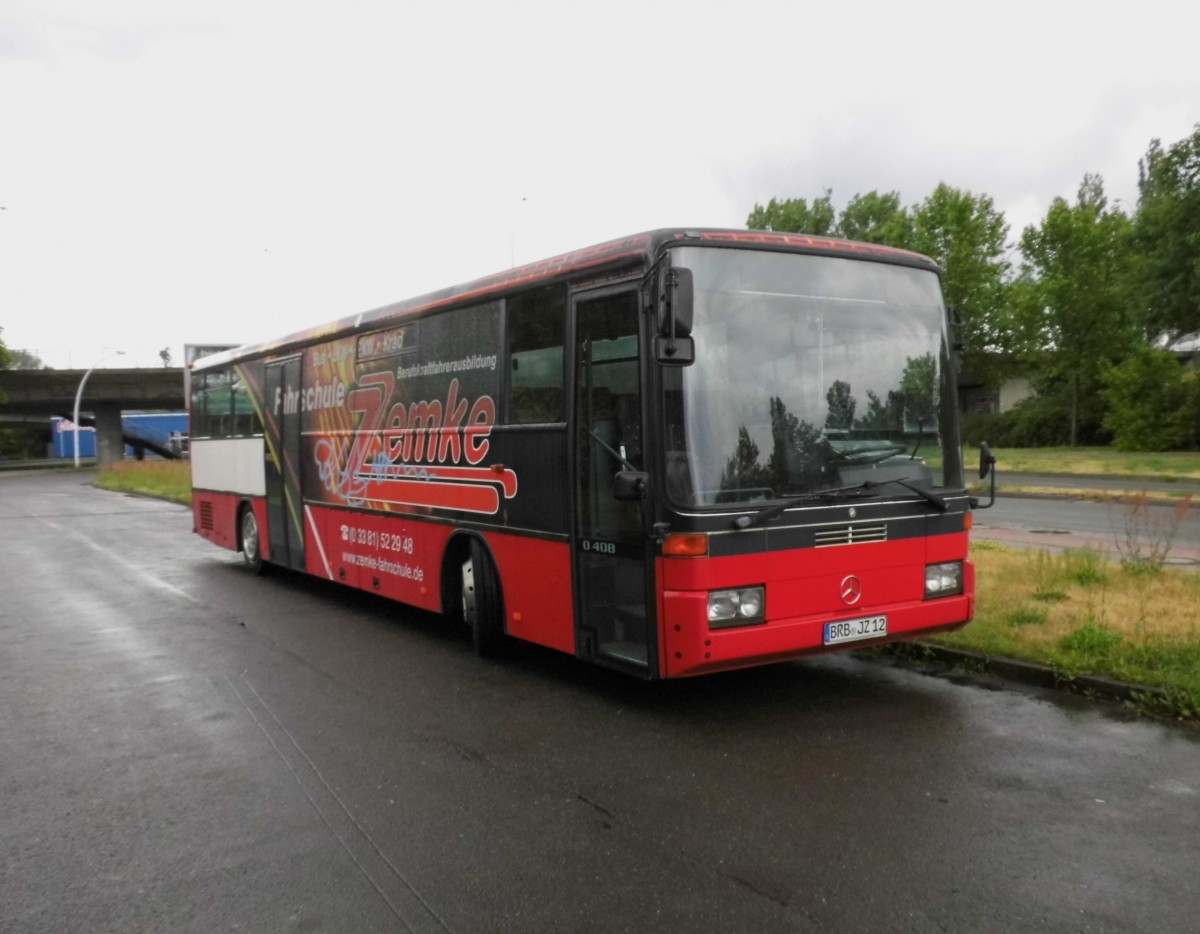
<point x="505" y="479"/>
<point x="467" y="497"/>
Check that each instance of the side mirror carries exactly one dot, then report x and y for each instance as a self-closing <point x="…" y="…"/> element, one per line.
<point x="676" y="302"/>
<point x="630" y="485"/>
<point x="673" y="346"/>
<point x="674" y="351"/>
<point x="987" y="460"/>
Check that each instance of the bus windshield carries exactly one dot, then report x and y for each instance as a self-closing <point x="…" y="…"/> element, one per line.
<point x="811" y="373"/>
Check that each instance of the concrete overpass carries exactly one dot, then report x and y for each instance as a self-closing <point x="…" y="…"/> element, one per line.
<point x="109" y="392"/>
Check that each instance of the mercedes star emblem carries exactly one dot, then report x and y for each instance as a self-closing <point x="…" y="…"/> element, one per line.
<point x="851" y="590"/>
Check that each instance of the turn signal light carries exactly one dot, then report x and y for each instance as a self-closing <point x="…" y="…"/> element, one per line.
<point x="686" y="545"/>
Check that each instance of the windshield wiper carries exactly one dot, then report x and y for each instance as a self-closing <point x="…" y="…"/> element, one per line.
<point x="857" y="491"/>
<point x="903" y="481"/>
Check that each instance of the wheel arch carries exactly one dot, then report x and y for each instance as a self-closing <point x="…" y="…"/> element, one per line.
<point x="457" y="551"/>
<point x="242" y="506"/>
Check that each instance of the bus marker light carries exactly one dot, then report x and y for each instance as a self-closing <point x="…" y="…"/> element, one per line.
<point x="968" y="520"/>
<point x="686" y="545"/>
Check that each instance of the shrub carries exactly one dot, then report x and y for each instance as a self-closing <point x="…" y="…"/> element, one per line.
<point x="1149" y="408"/>
<point x="980" y="427"/>
<point x="1042" y="420"/>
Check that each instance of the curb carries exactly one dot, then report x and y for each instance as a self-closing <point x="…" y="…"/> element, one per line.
<point x="1126" y="479"/>
<point x="1033" y="673"/>
<point x="1096" y="495"/>
<point x="45" y="466"/>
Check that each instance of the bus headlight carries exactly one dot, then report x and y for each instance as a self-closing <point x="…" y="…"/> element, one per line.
<point x="736" y="607"/>
<point x="943" y="580"/>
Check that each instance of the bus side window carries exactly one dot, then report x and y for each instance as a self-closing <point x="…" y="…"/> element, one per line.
<point x="199" y="418"/>
<point x="245" y="419"/>
<point x="629" y="423"/>
<point x="535" y="327"/>
<point x="218" y="404"/>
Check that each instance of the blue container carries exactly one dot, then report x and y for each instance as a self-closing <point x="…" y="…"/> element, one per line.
<point x="62" y="433"/>
<point x="168" y="429"/>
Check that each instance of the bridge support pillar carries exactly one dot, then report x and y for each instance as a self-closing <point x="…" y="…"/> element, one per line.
<point x="110" y="446"/>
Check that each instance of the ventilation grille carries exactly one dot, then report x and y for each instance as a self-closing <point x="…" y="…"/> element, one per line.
<point x="206" y="515"/>
<point x="833" y="535"/>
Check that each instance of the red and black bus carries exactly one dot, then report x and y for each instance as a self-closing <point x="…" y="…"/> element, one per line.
<point x="675" y="453"/>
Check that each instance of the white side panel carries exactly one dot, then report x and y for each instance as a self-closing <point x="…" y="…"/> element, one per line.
<point x="229" y="465"/>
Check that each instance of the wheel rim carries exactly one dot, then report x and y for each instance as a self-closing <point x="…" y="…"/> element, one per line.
<point x="468" y="591"/>
<point x="249" y="536"/>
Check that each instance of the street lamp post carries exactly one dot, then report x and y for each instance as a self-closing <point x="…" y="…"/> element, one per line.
<point x="79" y="396"/>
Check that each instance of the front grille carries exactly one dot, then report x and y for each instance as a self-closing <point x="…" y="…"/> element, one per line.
<point x="206" y="515"/>
<point x="830" y="536"/>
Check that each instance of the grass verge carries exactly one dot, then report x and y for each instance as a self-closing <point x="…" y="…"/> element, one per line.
<point x="170" y="480"/>
<point x="1174" y="465"/>
<point x="1082" y="614"/>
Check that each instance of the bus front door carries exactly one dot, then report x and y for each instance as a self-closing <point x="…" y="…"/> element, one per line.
<point x="285" y="523"/>
<point x="615" y="616"/>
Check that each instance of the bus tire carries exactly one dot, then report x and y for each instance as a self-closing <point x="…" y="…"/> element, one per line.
<point x="483" y="602"/>
<point x="251" y="540"/>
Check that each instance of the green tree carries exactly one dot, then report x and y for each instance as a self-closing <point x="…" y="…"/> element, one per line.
<point x="6" y="360"/>
<point x="1078" y="264"/>
<point x="965" y="235"/>
<point x="1026" y="318"/>
<point x="1167" y="232"/>
<point x="17" y="442"/>
<point x="919" y="386"/>
<point x="24" y="360"/>
<point x="875" y="218"/>
<point x="883" y="415"/>
<point x="799" y="457"/>
<point x="795" y="215"/>
<point x="743" y="471"/>
<point x="841" y="405"/>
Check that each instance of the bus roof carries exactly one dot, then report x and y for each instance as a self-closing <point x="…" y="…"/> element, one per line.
<point x="642" y="248"/>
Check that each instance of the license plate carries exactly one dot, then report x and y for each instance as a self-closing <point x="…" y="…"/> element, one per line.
<point x="851" y="630"/>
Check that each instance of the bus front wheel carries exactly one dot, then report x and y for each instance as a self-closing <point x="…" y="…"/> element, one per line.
<point x="483" y="604"/>
<point x="251" y="541"/>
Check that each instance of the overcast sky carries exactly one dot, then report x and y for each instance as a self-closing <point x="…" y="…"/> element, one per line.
<point x="234" y="170"/>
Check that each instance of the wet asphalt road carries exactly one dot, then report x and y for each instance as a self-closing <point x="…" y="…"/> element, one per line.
<point x="1120" y="529"/>
<point x="184" y="747"/>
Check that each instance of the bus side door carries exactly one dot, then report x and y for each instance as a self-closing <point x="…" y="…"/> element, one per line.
<point x="614" y="612"/>
<point x="285" y="504"/>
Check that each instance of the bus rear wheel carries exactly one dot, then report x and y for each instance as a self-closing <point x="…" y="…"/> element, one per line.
<point x="251" y="541"/>
<point x="483" y="603"/>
